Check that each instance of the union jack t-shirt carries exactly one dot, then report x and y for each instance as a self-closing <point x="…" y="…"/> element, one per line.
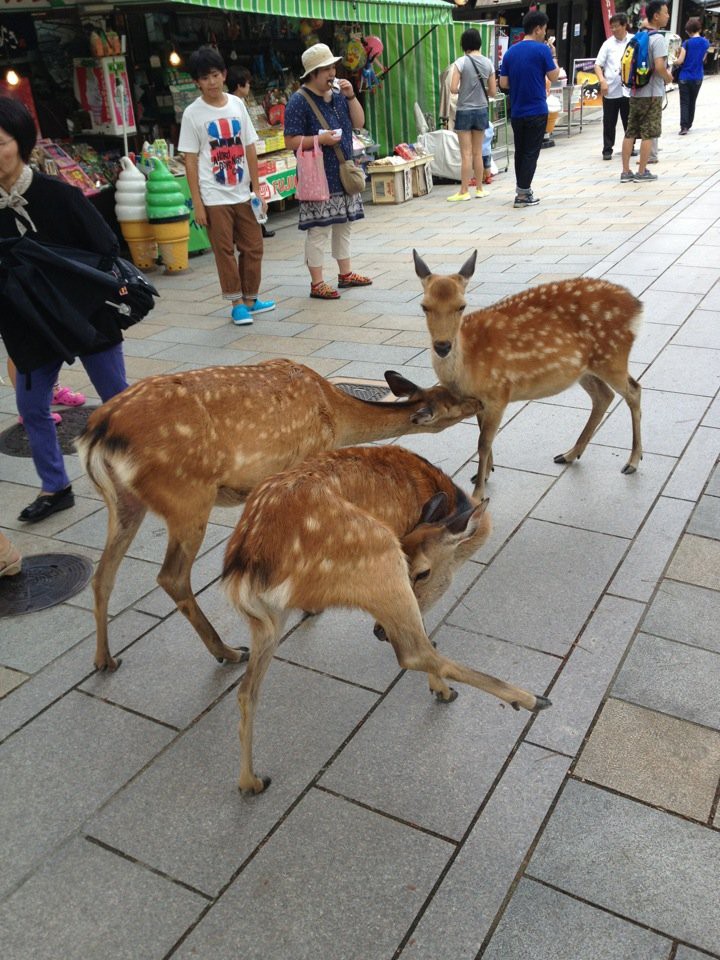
<point x="220" y="137"/>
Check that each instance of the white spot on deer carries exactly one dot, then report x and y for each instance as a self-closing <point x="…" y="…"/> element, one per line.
<point x="183" y="429"/>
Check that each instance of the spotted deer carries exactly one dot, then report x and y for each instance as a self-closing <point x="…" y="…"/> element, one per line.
<point x="178" y="444"/>
<point x="531" y="345"/>
<point x="377" y="528"/>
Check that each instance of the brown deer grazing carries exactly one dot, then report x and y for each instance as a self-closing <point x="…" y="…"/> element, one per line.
<point x="377" y="528"/>
<point x="181" y="443"/>
<point x="531" y="345"/>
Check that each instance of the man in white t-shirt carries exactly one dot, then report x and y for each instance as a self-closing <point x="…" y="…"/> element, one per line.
<point x="218" y="138"/>
<point x="616" y="98"/>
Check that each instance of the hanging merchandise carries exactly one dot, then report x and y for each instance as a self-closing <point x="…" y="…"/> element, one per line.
<point x="369" y="80"/>
<point x="309" y="31"/>
<point x="355" y="55"/>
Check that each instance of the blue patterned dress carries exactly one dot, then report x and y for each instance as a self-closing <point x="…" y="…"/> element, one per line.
<point x="300" y="120"/>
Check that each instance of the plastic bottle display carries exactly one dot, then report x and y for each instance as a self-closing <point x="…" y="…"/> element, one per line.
<point x="257" y="209"/>
<point x="131" y="214"/>
<point x="169" y="216"/>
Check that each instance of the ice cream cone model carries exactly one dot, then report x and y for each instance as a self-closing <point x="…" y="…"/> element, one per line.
<point x="131" y="215"/>
<point x="554" y="107"/>
<point x="169" y="217"/>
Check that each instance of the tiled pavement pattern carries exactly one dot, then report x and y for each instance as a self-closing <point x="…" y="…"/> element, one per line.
<point x="395" y="827"/>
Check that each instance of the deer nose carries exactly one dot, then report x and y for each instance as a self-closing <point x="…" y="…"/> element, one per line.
<point x="442" y="347"/>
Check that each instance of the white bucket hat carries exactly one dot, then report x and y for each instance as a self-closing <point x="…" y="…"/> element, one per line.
<point x="316" y="56"/>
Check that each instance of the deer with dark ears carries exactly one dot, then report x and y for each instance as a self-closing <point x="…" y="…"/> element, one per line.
<point x="180" y="443"/>
<point x="531" y="345"/>
<point x="378" y="528"/>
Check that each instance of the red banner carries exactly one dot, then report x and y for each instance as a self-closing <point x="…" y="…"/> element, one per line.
<point x="608" y="9"/>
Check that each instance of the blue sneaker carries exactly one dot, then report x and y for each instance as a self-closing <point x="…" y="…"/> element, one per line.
<point x="241" y="316"/>
<point x="262" y="306"/>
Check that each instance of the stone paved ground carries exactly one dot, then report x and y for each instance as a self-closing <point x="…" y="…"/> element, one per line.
<point x="394" y="827"/>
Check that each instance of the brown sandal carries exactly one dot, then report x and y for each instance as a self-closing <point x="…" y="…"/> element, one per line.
<point x="323" y="291"/>
<point x="353" y="280"/>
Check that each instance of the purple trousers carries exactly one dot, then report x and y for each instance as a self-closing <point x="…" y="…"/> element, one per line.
<point x="107" y="373"/>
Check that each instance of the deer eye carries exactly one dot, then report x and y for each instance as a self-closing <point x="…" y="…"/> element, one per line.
<point x="423" y="575"/>
<point x="424" y="308"/>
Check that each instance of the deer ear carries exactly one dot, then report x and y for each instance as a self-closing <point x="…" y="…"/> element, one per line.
<point x="435" y="509"/>
<point x="465" y="524"/>
<point x="421" y="268"/>
<point x="468" y="268"/>
<point x="399" y="385"/>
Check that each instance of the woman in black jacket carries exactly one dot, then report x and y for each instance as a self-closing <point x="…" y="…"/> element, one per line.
<point x="53" y="212"/>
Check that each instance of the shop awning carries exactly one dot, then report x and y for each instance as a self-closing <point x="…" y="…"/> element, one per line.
<point x="361" y="11"/>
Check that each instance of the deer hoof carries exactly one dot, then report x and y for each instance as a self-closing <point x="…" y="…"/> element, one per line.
<point x="628" y="469"/>
<point x="441" y="699"/>
<point x="379" y="632"/>
<point x="111" y="666"/>
<point x="258" y="785"/>
<point x="560" y="458"/>
<point x="237" y="655"/>
<point x="541" y="703"/>
<point x="474" y="477"/>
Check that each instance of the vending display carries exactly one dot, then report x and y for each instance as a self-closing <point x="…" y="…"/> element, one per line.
<point x="103" y="91"/>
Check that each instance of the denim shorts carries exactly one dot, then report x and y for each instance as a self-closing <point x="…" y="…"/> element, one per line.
<point x="471" y="120"/>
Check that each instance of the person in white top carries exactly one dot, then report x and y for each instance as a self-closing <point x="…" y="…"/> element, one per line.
<point x="218" y="139"/>
<point x="616" y="98"/>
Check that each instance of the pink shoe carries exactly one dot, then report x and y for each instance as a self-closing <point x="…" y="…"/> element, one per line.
<point x="56" y="418"/>
<point x="67" y="397"/>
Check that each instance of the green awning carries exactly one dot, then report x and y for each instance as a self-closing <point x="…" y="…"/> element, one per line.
<point x="344" y="11"/>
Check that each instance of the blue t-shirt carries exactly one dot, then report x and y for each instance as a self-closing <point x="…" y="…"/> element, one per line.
<point x="300" y="120"/>
<point x="525" y="65"/>
<point x="695" y="50"/>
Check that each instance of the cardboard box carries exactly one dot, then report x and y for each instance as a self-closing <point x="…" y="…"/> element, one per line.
<point x="391" y="183"/>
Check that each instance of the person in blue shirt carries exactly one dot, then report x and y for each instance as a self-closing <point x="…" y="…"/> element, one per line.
<point x="691" y="60"/>
<point x="524" y="70"/>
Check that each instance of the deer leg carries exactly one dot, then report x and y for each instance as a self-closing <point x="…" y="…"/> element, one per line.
<point x="265" y="637"/>
<point x="124" y="519"/>
<point x="490" y="463"/>
<point x="394" y="605"/>
<point x="174" y="578"/>
<point x="601" y="396"/>
<point x="630" y="390"/>
<point x="489" y="424"/>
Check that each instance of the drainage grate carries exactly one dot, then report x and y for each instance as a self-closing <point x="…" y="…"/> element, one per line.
<point x="363" y="390"/>
<point x="45" y="580"/>
<point x="14" y="442"/>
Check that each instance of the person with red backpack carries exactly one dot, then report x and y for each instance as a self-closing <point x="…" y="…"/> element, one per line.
<point x="646" y="94"/>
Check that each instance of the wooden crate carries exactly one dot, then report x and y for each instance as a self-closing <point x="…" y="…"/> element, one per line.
<point x="391" y="183"/>
<point x="422" y="181"/>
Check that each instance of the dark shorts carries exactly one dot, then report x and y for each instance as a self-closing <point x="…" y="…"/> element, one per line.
<point x="471" y="120"/>
<point x="645" y="118"/>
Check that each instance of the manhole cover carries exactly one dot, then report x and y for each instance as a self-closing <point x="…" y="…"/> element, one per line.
<point x="363" y="391"/>
<point x="14" y="442"/>
<point x="45" y="580"/>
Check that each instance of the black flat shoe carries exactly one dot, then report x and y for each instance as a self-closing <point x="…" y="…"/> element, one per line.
<point x="266" y="232"/>
<point x="47" y="504"/>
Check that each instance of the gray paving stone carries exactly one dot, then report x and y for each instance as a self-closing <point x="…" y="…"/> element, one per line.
<point x="205" y="571"/>
<point x="376" y="873"/>
<point x="512" y="494"/>
<point x="705" y="521"/>
<point x="685" y="953"/>
<point x="696" y="463"/>
<point x="701" y="329"/>
<point x="219" y="337"/>
<point x="667" y="307"/>
<point x="648" y="866"/>
<point x="542" y="586"/>
<point x="647" y="558"/>
<point x="340" y="643"/>
<point x="675" y="678"/>
<point x="578" y="691"/>
<point x="679" y="279"/>
<point x="449" y="450"/>
<point x="135" y="578"/>
<point x="89" y="903"/>
<point x="537" y="434"/>
<point x="651" y="340"/>
<point x="463" y="909"/>
<point x="439" y="760"/>
<point x="169" y="674"/>
<point x="713" y="487"/>
<point x="668" y="422"/>
<point x="184" y="815"/>
<point x="712" y="417"/>
<point x="31" y="641"/>
<point x="594" y="495"/>
<point x="54" y="786"/>
<point x="541" y="922"/>
<point x="658" y="759"/>
<point x="63" y="673"/>
<point x="9" y="680"/>
<point x="368" y="352"/>
<point x="690" y="614"/>
<point x="203" y="356"/>
<point x="670" y="371"/>
<point x="376" y="371"/>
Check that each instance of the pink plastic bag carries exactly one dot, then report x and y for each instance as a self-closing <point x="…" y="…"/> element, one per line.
<point x="311" y="180"/>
